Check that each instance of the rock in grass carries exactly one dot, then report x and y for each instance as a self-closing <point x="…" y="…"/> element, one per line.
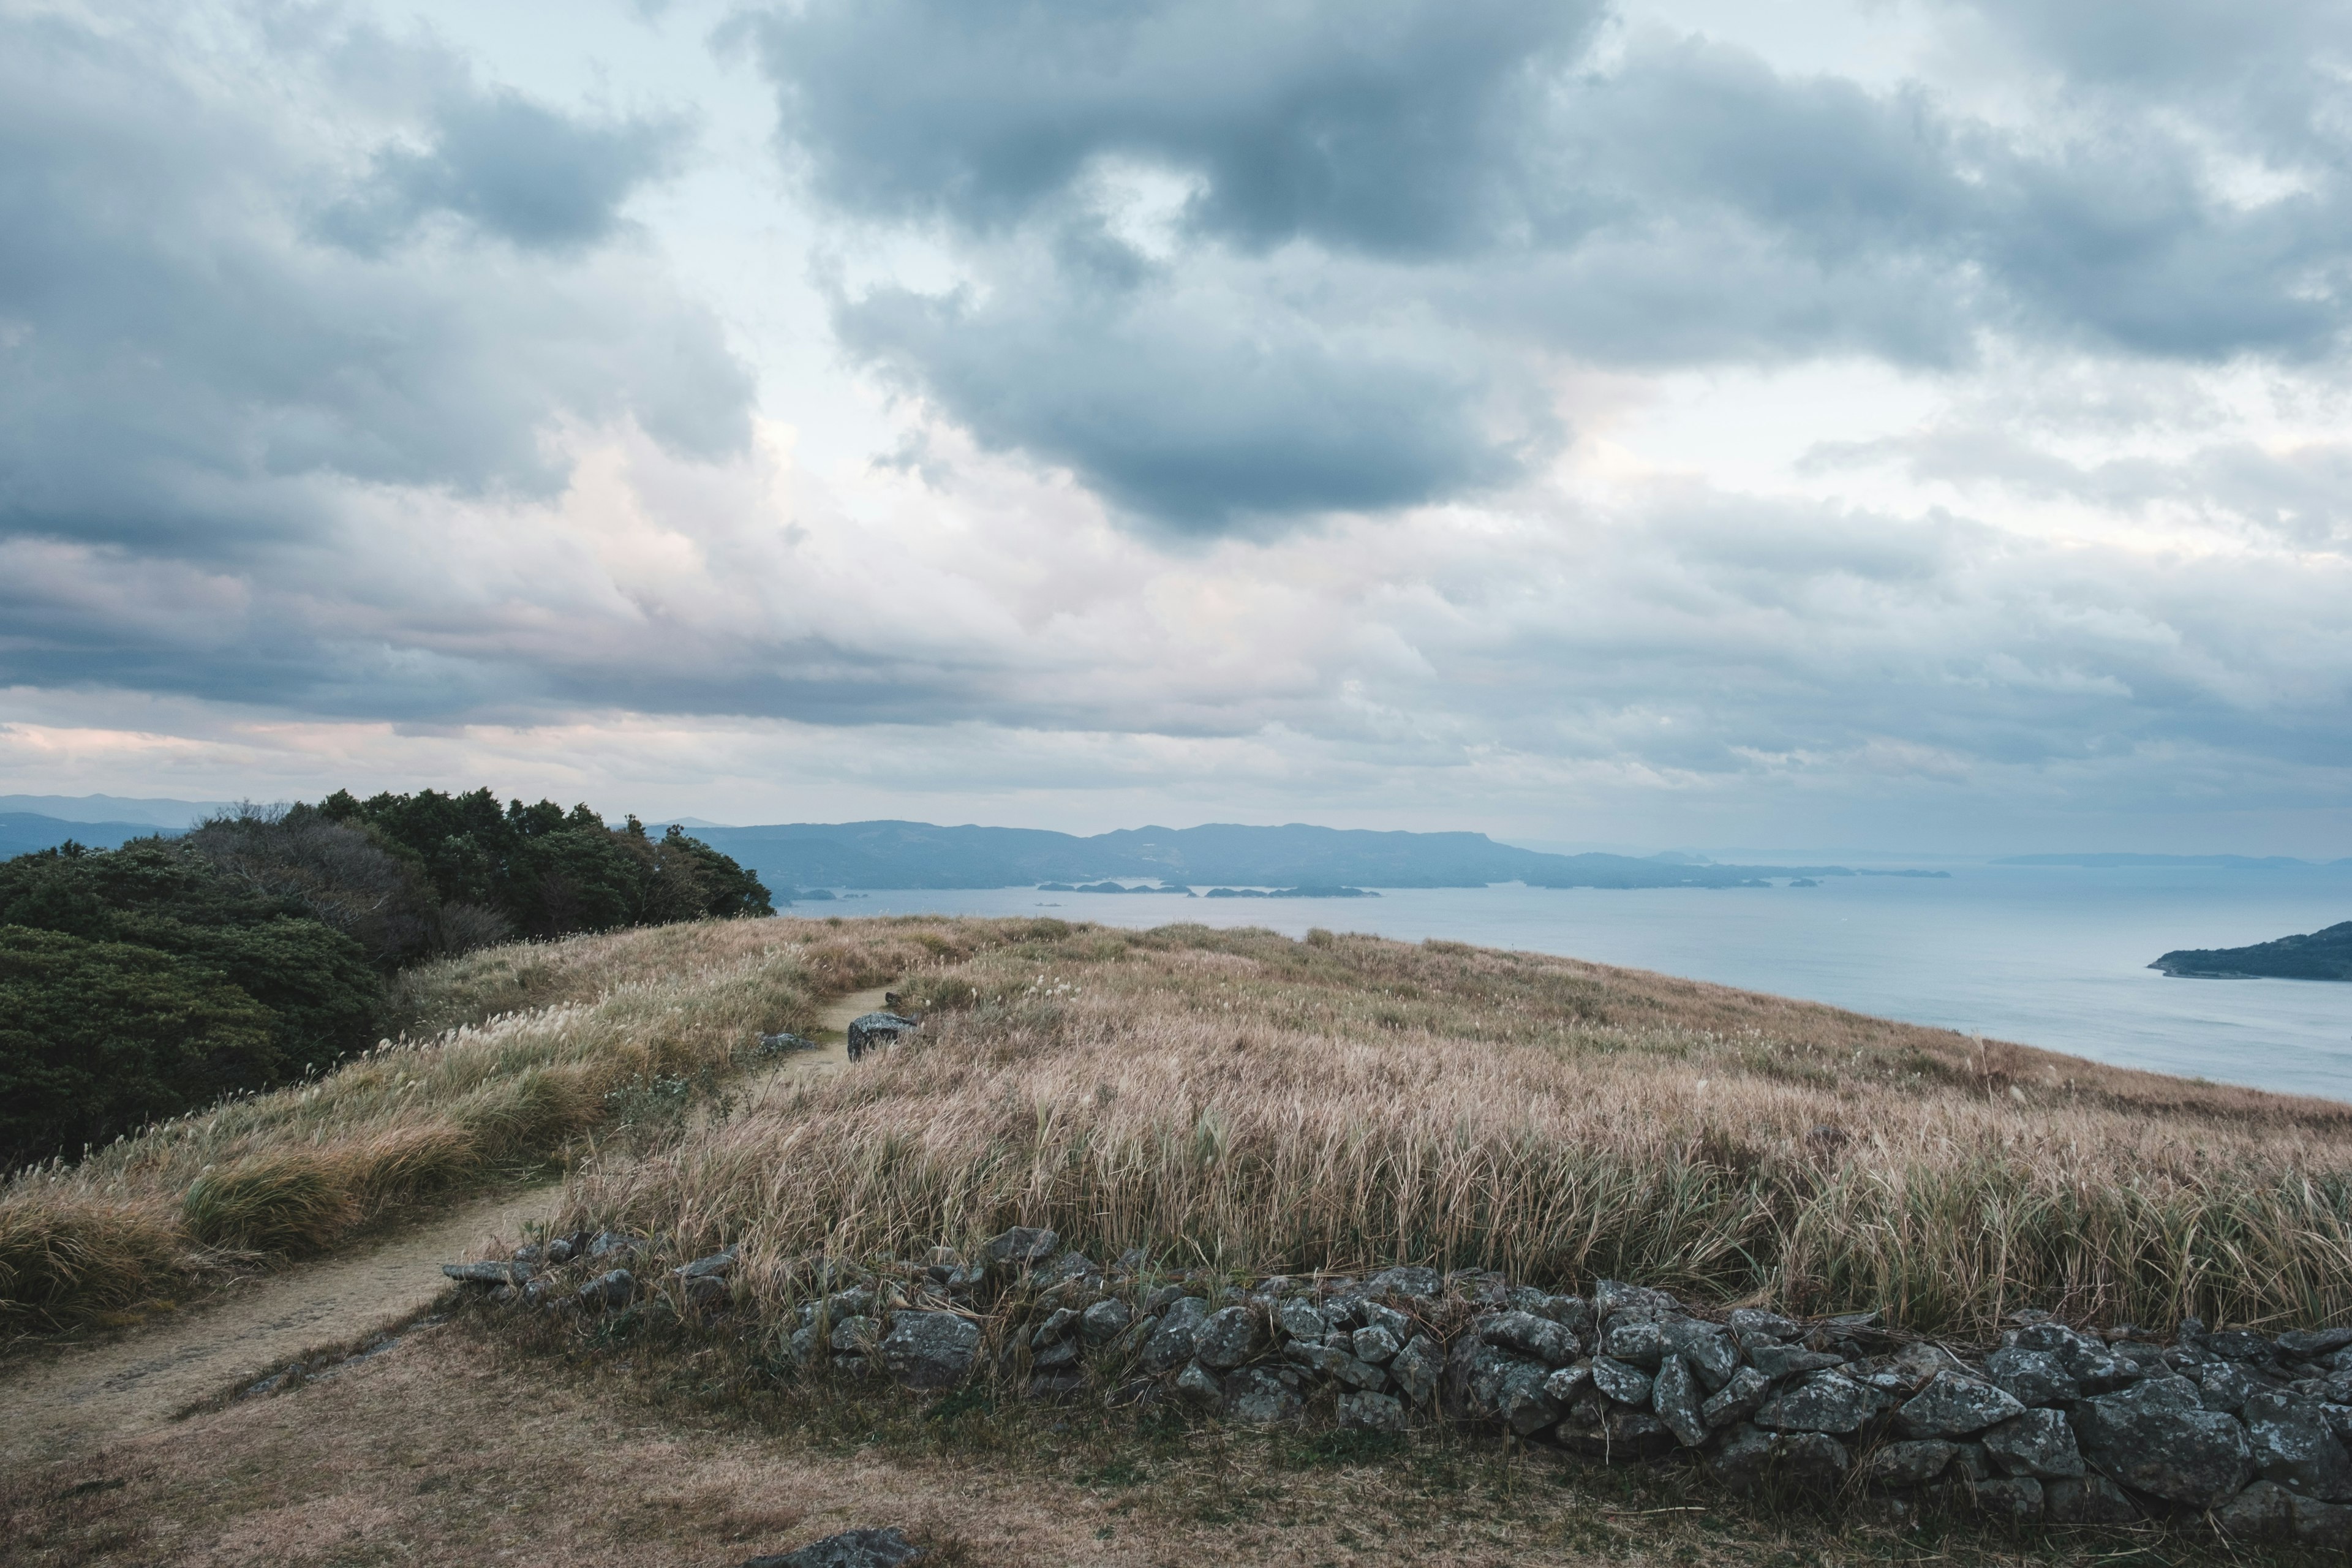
<point x="2038" y="1443"/>
<point x="2093" y="1499"/>
<point x="1171" y="1344"/>
<point x="1738" y="1399"/>
<point x="1260" y="1397"/>
<point x="1910" y="1464"/>
<point x="1539" y="1338"/>
<point x="1105" y="1320"/>
<point x="851" y="1548"/>
<point x="1776" y="1361"/>
<point x="855" y="1336"/>
<point x="1751" y="1458"/>
<point x="1374" y="1345"/>
<point x="1416" y="1284"/>
<point x="1636" y="1342"/>
<point x="1709" y="1350"/>
<point x="2310" y="1344"/>
<point x="1226" y="1338"/>
<point x="1023" y="1246"/>
<point x="1954" y="1407"/>
<point x="1674" y="1399"/>
<point x="2032" y="1376"/>
<point x="1417" y="1368"/>
<point x="486" y="1273"/>
<point x="1300" y="1320"/>
<point x="2014" y="1500"/>
<point x="1625" y="1384"/>
<point x="930" y="1350"/>
<point x="1197" y="1387"/>
<point x="607" y="1292"/>
<point x="2293" y="1446"/>
<point x="1824" y="1402"/>
<point x="2267" y="1510"/>
<point x="2159" y="1439"/>
<point x="1756" y="1321"/>
<point x="1367" y="1412"/>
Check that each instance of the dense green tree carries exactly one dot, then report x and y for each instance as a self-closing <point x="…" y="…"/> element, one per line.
<point x="99" y="1037"/>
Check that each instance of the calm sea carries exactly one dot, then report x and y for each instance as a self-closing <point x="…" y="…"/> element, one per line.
<point x="2048" y="956"/>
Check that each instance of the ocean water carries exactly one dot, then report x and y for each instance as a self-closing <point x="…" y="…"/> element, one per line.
<point x="2049" y="956"/>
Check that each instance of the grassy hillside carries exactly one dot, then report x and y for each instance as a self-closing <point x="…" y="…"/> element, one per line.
<point x="1343" y="1101"/>
<point x="514" y="1054"/>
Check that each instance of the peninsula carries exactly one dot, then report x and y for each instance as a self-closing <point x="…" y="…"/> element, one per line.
<point x="2320" y="955"/>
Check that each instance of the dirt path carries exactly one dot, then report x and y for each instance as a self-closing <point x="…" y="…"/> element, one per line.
<point x="87" y="1395"/>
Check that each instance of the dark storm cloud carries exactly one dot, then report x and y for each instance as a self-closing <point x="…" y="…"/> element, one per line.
<point x="510" y="167"/>
<point x="181" y="357"/>
<point x="1491" y="174"/>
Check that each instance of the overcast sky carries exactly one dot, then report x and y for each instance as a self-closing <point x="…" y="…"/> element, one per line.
<point x="1899" y="424"/>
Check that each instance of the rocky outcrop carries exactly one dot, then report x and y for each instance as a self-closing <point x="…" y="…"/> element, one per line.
<point x="2053" y="1424"/>
<point x="850" y="1549"/>
<point x="869" y="1030"/>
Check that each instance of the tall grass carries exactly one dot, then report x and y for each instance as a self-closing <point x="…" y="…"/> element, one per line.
<point x="504" y="1082"/>
<point x="1242" y="1099"/>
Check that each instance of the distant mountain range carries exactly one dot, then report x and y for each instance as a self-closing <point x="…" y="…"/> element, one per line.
<point x="2226" y="862"/>
<point x="112" y="810"/>
<point x="921" y="855"/>
<point x="23" y="832"/>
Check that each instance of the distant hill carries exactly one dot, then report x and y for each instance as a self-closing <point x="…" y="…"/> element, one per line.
<point x="921" y="855"/>
<point x="23" y="832"/>
<point x="2231" y="862"/>
<point x="2321" y="956"/>
<point x="110" y="809"/>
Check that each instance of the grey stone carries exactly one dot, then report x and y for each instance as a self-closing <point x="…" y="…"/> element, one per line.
<point x="1489" y="1383"/>
<point x="1954" y="1407"/>
<point x="2238" y="1344"/>
<point x="1777" y="1361"/>
<point x="609" y="1291"/>
<point x="1756" y="1321"/>
<point x="488" y="1273"/>
<point x="1751" y="1458"/>
<point x="1637" y="1341"/>
<point x="855" y="1336"/>
<point x="2293" y="1446"/>
<point x="1417" y="1369"/>
<point x="1625" y="1384"/>
<point x="1360" y="1375"/>
<point x="1162" y="1297"/>
<point x="1023" y="1246"/>
<point x="2310" y="1344"/>
<point x="1300" y="1320"/>
<point x="1375" y="1345"/>
<point x="1539" y="1338"/>
<point x="614" y="1244"/>
<point x="2014" y="1499"/>
<point x="718" y="1263"/>
<point x="1418" y="1284"/>
<point x="932" y="1350"/>
<point x="1822" y="1402"/>
<point x="1573" y="1313"/>
<point x="1674" y="1399"/>
<point x="2157" y="1438"/>
<point x="1259" y="1396"/>
<point x="2224" y="1385"/>
<point x="1709" y="1350"/>
<point x="2032" y="1376"/>
<point x="2268" y="1510"/>
<point x="1341" y="1339"/>
<point x="1367" y="1412"/>
<point x="1227" y="1337"/>
<point x="1056" y="1356"/>
<point x="1911" y="1463"/>
<point x="1197" y="1385"/>
<point x="1737" y="1400"/>
<point x="2040" y="1443"/>
<point x="1568" y="1384"/>
<point x="2093" y="1499"/>
<point x="870" y="1031"/>
<point x="1612" y="1296"/>
<point x="1058" y="1325"/>
<point x="1105" y="1320"/>
<point x="1973" y="1463"/>
<point x="850" y="1549"/>
<point x="1171" y="1344"/>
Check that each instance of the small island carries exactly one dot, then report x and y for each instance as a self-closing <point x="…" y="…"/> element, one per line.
<point x="2320" y="955"/>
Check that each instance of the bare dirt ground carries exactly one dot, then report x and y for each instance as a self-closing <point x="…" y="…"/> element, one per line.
<point x="57" y="1404"/>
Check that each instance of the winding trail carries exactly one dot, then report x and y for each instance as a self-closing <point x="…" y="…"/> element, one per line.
<point x="55" y="1405"/>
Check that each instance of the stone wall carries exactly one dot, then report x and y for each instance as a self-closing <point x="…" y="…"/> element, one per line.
<point x="2054" y="1423"/>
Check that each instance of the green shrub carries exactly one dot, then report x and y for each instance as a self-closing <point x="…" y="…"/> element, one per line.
<point x="99" y="1037"/>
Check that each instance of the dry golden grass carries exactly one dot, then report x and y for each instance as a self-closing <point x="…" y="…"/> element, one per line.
<point x="1245" y="1100"/>
<point x="533" y="1046"/>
